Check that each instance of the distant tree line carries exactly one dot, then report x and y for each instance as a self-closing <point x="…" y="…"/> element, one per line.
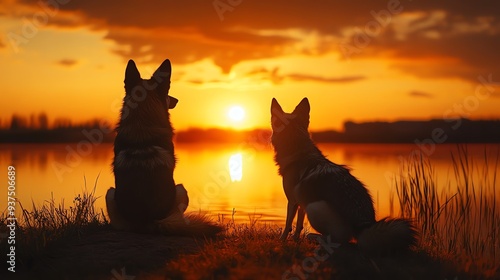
<point x="37" y="129"/>
<point x="436" y="131"/>
<point x="39" y="122"/>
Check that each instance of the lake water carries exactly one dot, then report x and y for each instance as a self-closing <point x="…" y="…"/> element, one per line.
<point x="219" y="178"/>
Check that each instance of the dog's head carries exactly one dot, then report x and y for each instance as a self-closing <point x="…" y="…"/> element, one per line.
<point x="290" y="126"/>
<point x="148" y="94"/>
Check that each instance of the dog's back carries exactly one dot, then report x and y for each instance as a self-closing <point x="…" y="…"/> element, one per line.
<point x="326" y="181"/>
<point x="145" y="188"/>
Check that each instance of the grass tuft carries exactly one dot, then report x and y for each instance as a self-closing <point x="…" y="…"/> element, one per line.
<point x="459" y="220"/>
<point x="50" y="222"/>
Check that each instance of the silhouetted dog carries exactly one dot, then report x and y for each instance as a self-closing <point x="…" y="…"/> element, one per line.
<point x="144" y="159"/>
<point x="337" y="204"/>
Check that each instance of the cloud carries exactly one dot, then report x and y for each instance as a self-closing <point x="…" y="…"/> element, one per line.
<point x="465" y="35"/>
<point x="201" y="82"/>
<point x="67" y="62"/>
<point x="301" y="77"/>
<point x="196" y="81"/>
<point x="276" y="78"/>
<point x="187" y="46"/>
<point x="450" y="45"/>
<point x="421" y="94"/>
<point x="266" y="74"/>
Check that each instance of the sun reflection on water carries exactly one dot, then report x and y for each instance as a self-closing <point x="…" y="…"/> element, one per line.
<point x="236" y="167"/>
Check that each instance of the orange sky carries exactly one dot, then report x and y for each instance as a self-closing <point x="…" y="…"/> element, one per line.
<point x="354" y="60"/>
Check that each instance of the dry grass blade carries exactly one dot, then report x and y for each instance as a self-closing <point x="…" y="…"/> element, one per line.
<point x="461" y="221"/>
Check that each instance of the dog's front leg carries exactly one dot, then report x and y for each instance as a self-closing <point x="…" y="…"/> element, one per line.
<point x="291" y="210"/>
<point x="300" y="222"/>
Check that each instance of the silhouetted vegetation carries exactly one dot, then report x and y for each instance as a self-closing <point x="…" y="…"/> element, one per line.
<point x="37" y="129"/>
<point x="436" y="131"/>
<point x="457" y="221"/>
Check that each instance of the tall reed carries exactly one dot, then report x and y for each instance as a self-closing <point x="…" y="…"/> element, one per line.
<point x="458" y="219"/>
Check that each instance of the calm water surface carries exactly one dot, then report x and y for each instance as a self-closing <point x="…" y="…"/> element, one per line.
<point x="219" y="178"/>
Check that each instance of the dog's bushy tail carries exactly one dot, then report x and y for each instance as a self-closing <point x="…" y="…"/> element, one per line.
<point x="197" y="225"/>
<point x="388" y="237"/>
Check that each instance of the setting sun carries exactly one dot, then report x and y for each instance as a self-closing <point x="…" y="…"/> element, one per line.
<point x="236" y="113"/>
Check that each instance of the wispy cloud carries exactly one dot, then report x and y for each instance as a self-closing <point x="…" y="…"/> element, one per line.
<point x="420" y="94"/>
<point x="275" y="77"/>
<point x="266" y="74"/>
<point x="203" y="82"/>
<point x="67" y="62"/>
<point x="302" y="77"/>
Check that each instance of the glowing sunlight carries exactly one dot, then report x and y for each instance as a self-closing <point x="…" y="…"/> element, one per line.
<point x="236" y="113"/>
<point x="236" y="167"/>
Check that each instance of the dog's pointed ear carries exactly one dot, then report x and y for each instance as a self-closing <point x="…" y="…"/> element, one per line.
<point x="163" y="73"/>
<point x="132" y="75"/>
<point x="303" y="108"/>
<point x="275" y="107"/>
